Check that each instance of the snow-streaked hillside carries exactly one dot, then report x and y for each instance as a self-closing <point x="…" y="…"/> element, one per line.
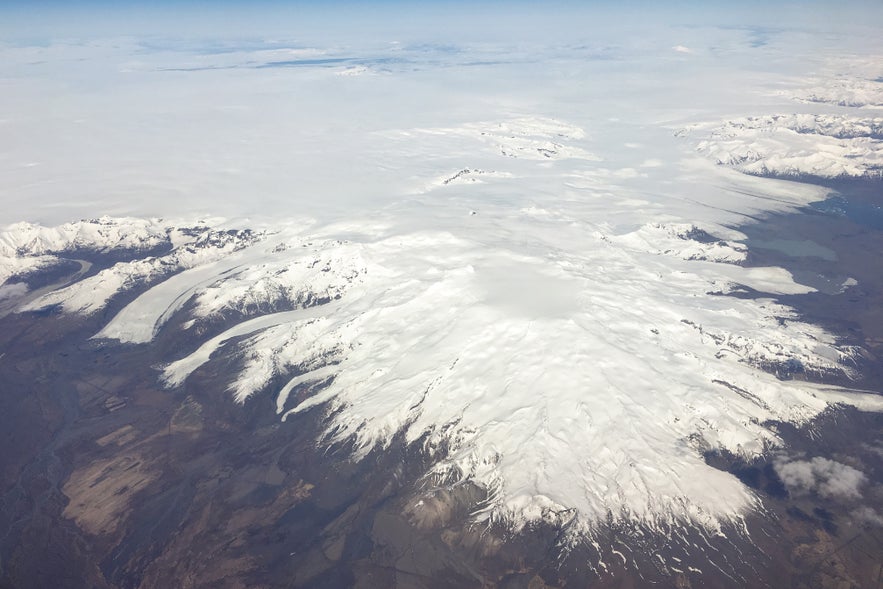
<point x="845" y="91"/>
<point x="826" y="146"/>
<point x="27" y="246"/>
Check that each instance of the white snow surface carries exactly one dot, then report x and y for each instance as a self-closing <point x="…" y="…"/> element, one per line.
<point x="196" y="246"/>
<point x="517" y="359"/>
<point x="535" y="138"/>
<point x="826" y="146"/>
<point x="29" y="239"/>
<point x="847" y="91"/>
<point x="28" y="246"/>
<point x="519" y="362"/>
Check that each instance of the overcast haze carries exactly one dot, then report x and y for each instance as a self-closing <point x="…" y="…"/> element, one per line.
<point x="120" y="108"/>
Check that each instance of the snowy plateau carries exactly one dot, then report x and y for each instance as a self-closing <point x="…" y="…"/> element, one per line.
<point x="547" y="301"/>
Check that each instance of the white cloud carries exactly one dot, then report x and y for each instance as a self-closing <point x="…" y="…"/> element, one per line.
<point x="868" y="515"/>
<point x="826" y="477"/>
<point x="9" y="291"/>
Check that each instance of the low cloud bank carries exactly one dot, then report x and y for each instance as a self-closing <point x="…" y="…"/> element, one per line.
<point x="828" y="478"/>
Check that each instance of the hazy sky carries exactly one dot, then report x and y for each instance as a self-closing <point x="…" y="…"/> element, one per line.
<point x="482" y="20"/>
